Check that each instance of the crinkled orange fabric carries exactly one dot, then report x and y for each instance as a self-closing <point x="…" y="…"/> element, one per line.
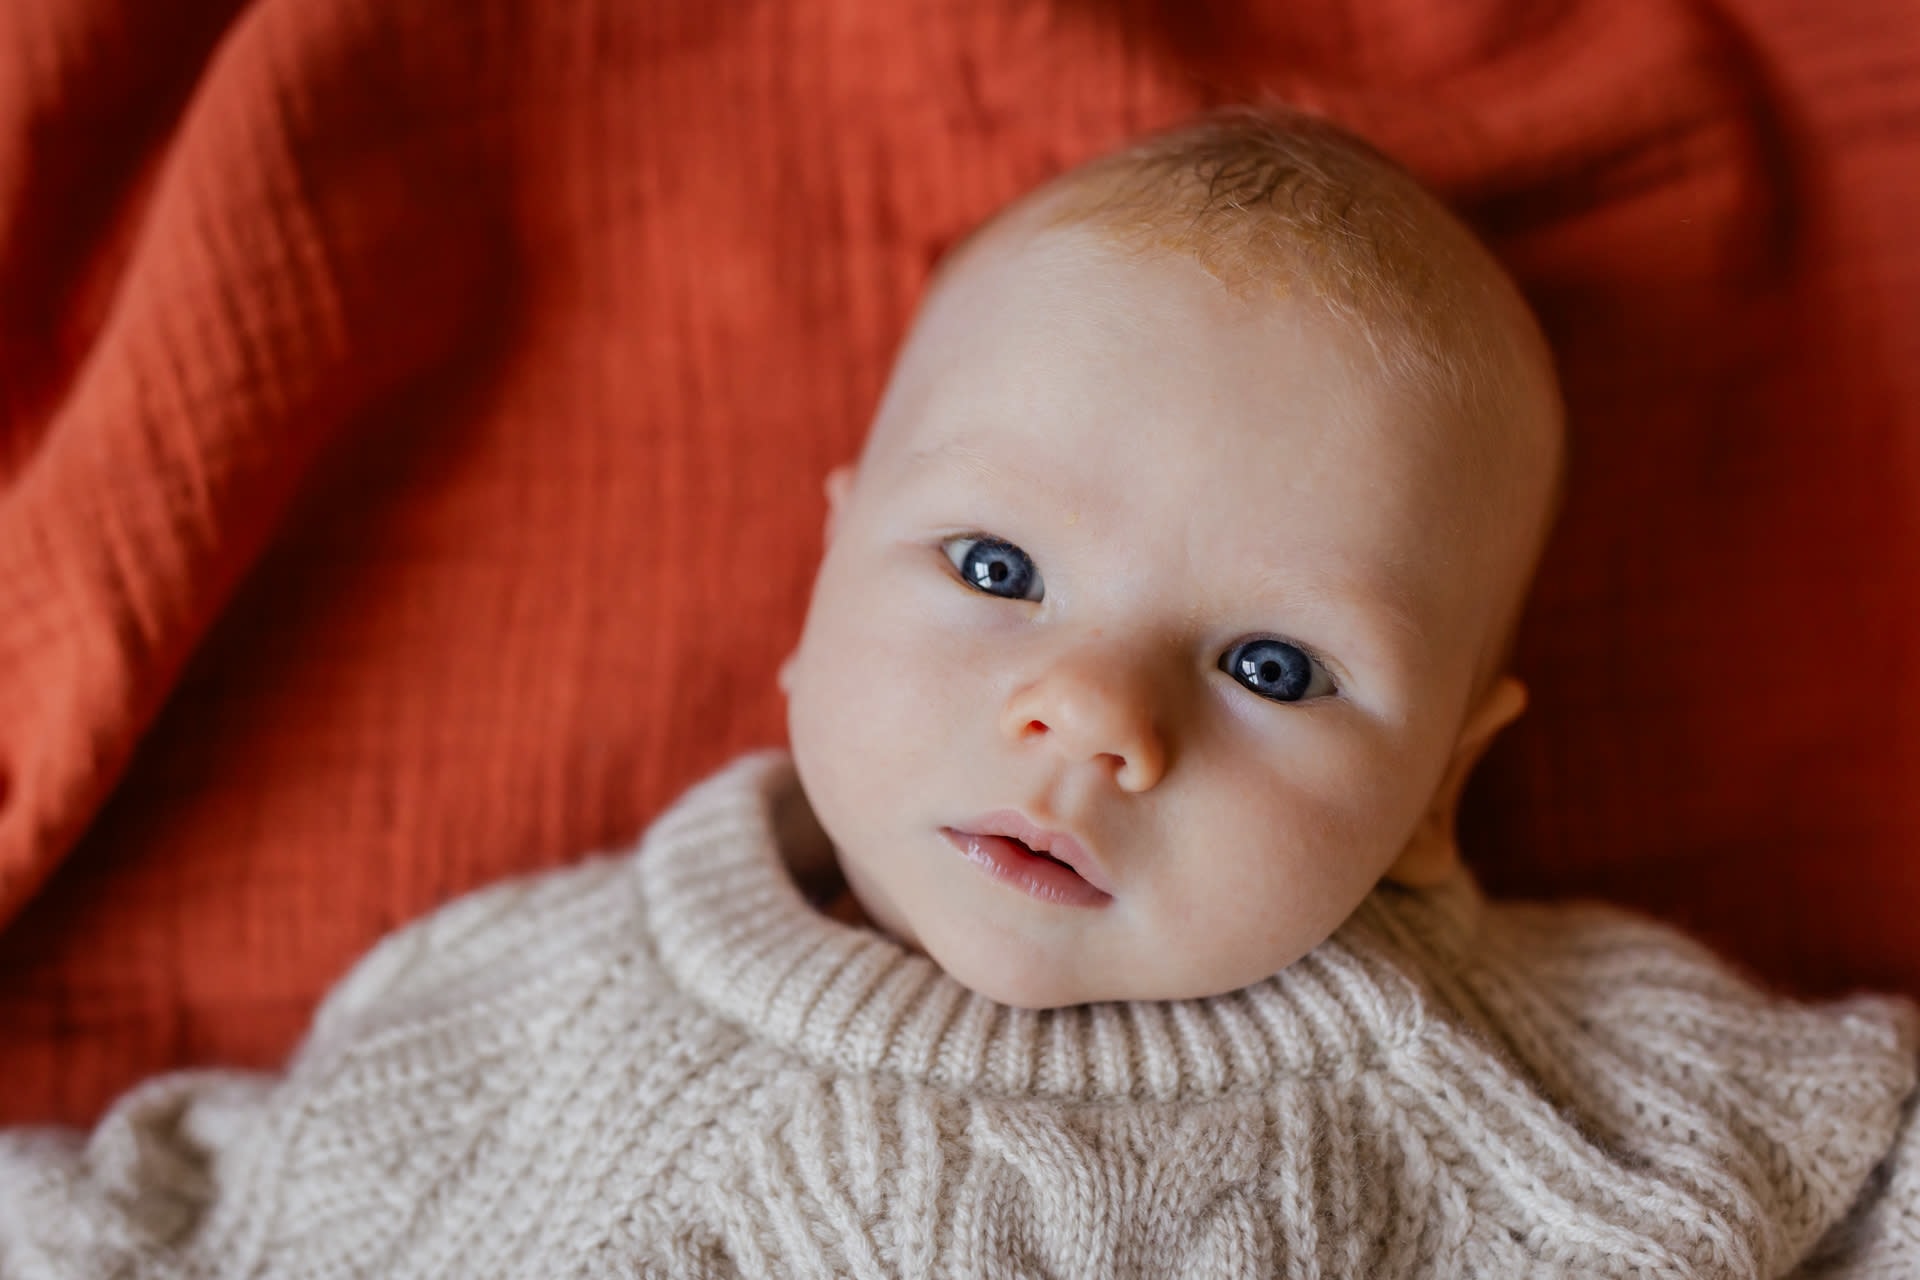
<point x="412" y="419"/>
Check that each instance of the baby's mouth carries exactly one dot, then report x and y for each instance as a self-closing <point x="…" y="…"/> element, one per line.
<point x="1033" y="852"/>
<point x="1039" y="872"/>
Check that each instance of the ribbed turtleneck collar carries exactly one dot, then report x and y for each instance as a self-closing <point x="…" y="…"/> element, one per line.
<point x="735" y="932"/>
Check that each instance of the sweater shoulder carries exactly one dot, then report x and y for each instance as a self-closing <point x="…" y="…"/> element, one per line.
<point x="479" y="946"/>
<point x="1672" y="1062"/>
<point x="1622" y="977"/>
<point x="424" y="1047"/>
<point x="418" y="1120"/>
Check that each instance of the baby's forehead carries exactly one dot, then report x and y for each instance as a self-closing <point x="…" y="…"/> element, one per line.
<point x="1438" y="314"/>
<point x="1047" y="327"/>
<point x="1039" y="294"/>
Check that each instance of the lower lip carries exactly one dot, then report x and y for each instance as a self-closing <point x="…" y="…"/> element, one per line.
<point x="1011" y="862"/>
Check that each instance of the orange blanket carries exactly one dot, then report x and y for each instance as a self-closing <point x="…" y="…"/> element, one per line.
<point x="412" y="419"/>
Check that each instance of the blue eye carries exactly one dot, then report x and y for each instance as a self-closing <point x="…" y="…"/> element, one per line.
<point x="995" y="567"/>
<point x="1276" y="670"/>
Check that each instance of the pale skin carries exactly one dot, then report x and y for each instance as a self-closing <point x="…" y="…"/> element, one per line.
<point x="1169" y="477"/>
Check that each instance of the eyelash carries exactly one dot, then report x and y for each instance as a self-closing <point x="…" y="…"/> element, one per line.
<point x="956" y="548"/>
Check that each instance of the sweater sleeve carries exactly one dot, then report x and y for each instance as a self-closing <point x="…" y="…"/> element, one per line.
<point x="198" y="1173"/>
<point x="1880" y="1238"/>
<point x="121" y="1200"/>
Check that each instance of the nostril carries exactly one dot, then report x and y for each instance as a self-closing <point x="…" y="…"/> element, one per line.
<point x="1033" y="729"/>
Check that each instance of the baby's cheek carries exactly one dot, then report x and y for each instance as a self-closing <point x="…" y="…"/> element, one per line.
<point x="1283" y="865"/>
<point x="863" y="709"/>
<point x="1363" y="793"/>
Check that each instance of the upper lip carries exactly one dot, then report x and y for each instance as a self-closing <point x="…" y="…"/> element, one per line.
<point x="1059" y="845"/>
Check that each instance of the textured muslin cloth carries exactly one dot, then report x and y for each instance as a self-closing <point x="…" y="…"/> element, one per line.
<point x="669" y="1064"/>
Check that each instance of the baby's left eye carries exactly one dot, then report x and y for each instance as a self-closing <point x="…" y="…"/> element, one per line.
<point x="1276" y="670"/>
<point x="995" y="566"/>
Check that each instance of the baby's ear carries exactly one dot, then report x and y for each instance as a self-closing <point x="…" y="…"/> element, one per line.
<point x="839" y="484"/>
<point x="1434" y="852"/>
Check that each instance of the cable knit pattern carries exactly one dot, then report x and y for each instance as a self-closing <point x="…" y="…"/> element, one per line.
<point x="668" y="1064"/>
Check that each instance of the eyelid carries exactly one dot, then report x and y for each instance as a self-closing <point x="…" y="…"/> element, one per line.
<point x="1319" y="655"/>
<point x="945" y="543"/>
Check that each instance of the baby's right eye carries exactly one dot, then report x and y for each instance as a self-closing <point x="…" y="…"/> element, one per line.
<point x="994" y="566"/>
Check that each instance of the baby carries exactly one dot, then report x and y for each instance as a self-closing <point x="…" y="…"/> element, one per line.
<point x="1107" y="919"/>
<point x="1185" y="550"/>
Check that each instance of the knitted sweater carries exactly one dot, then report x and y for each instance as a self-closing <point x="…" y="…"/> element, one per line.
<point x="669" y="1064"/>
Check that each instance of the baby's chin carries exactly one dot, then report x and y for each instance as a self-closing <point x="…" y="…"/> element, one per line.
<point x="1020" y="991"/>
<point x="1004" y="968"/>
<point x="982" y="968"/>
<point x="998" y="972"/>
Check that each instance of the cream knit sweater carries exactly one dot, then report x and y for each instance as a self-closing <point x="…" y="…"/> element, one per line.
<point x="667" y="1064"/>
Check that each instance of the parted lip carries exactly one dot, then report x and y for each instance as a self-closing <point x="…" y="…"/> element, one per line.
<point x="1059" y="845"/>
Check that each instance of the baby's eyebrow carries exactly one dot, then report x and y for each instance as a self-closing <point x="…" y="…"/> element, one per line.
<point x="980" y="463"/>
<point x="952" y="451"/>
<point x="1341" y="595"/>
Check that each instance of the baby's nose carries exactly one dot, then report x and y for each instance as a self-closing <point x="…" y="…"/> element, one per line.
<point x="1091" y="706"/>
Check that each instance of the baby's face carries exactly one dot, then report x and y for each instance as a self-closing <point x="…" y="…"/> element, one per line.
<point x="1160" y="579"/>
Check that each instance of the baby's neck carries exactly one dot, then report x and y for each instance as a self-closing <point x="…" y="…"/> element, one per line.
<point x="843" y="907"/>
<point x="810" y="859"/>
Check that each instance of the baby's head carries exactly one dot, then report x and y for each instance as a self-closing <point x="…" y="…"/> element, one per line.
<point x="1186" y="548"/>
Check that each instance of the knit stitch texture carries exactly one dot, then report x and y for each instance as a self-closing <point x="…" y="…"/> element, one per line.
<point x="669" y="1064"/>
